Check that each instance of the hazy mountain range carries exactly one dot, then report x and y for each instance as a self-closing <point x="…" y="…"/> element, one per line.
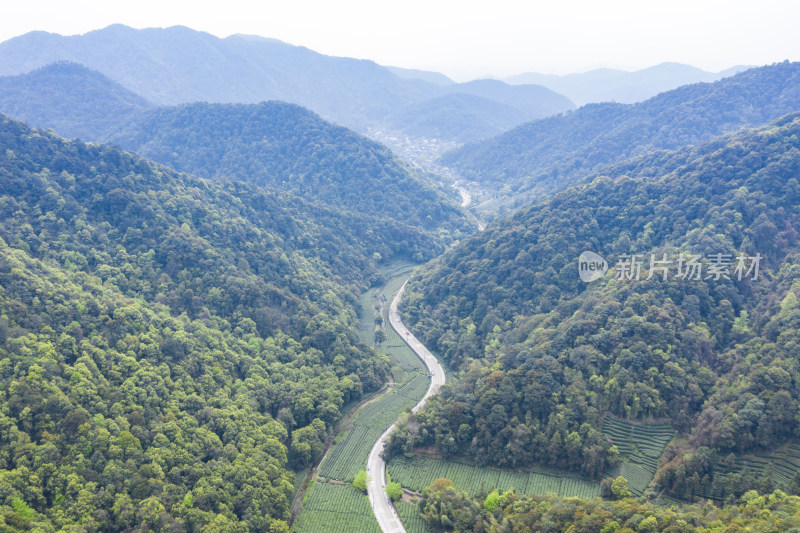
<point x="179" y="65"/>
<point x="176" y="65"/>
<point x="613" y="85"/>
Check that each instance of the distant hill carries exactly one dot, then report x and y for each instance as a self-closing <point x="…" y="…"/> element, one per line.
<point x="178" y="65"/>
<point x="556" y="151"/>
<point x="711" y="348"/>
<point x="476" y="110"/>
<point x="71" y="99"/>
<point x="530" y="100"/>
<point x="456" y="116"/>
<point x="613" y="85"/>
<point x="425" y="75"/>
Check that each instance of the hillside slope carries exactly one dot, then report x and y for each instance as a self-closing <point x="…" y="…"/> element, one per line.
<point x="286" y="147"/>
<point x="170" y="346"/>
<point x="545" y="354"/>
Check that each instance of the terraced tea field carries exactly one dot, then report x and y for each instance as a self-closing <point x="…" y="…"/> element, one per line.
<point x="349" y="455"/>
<point x="414" y="523"/>
<point x="366" y="322"/>
<point x="641" y="445"/>
<point x="335" y="508"/>
<point x="785" y="464"/>
<point x="419" y="472"/>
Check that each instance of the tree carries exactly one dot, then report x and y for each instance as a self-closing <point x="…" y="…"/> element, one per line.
<point x="619" y="488"/>
<point x="394" y="490"/>
<point x="648" y="525"/>
<point x="611" y="527"/>
<point x="491" y="501"/>
<point x="360" y="481"/>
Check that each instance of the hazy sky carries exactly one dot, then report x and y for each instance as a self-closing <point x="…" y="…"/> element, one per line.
<point x="464" y="38"/>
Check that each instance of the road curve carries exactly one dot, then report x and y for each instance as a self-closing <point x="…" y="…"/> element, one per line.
<point x="466" y="197"/>
<point x="388" y="519"/>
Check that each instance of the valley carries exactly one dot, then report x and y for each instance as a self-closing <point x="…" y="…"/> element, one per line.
<point x="248" y="286"/>
<point x="359" y="448"/>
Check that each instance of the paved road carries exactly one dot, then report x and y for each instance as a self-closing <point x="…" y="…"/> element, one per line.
<point x="384" y="511"/>
<point x="466" y="197"/>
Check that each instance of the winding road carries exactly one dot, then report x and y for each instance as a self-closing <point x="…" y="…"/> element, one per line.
<point x="466" y="197"/>
<point x="385" y="512"/>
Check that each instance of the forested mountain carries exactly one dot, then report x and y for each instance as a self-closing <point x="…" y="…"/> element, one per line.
<point x="476" y="110"/>
<point x="459" y="117"/>
<point x="554" y="152"/>
<point x="272" y="144"/>
<point x="545" y="355"/>
<point x="178" y="65"/>
<point x="530" y="100"/>
<point x="169" y="346"/>
<point x="69" y="98"/>
<point x="614" y="85"/>
<point x="289" y="148"/>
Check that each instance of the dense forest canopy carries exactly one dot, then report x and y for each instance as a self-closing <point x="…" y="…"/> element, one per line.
<point x="554" y="152"/>
<point x="446" y="508"/>
<point x="544" y="355"/>
<point x="171" y="346"/>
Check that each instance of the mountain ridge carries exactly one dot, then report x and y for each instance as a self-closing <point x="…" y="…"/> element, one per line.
<point x="180" y="65"/>
<point x="554" y="152"/>
<point x="608" y="84"/>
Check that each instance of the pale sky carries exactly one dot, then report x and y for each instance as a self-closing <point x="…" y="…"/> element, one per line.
<point x="465" y="38"/>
